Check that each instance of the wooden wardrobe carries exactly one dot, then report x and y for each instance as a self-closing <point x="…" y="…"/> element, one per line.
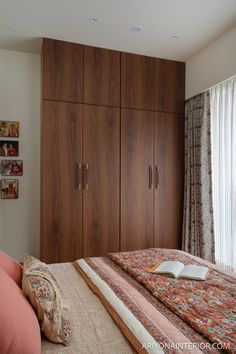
<point x="112" y="138"/>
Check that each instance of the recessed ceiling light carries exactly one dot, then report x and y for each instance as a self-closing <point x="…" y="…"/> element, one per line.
<point x="174" y="37"/>
<point x="93" y="19"/>
<point x="136" y="29"/>
<point x="12" y="29"/>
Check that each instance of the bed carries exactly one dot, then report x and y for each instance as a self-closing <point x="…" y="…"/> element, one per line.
<point x="117" y="306"/>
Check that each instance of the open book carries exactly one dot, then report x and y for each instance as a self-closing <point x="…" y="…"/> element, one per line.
<point x="178" y="270"/>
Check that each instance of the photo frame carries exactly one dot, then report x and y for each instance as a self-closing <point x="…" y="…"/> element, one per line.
<point x="9" y="148"/>
<point x="9" y="189"/>
<point x="12" y="167"/>
<point x="9" y="129"/>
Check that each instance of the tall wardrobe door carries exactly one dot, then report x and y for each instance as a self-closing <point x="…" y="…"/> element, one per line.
<point x="61" y="210"/>
<point x="101" y="156"/>
<point x="137" y="148"/>
<point x="168" y="179"/>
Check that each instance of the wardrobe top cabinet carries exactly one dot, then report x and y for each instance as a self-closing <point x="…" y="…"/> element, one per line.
<point x="101" y="76"/>
<point x="62" y="66"/>
<point x="152" y="84"/>
<point x="83" y="74"/>
<point x="137" y="81"/>
<point x="169" y="86"/>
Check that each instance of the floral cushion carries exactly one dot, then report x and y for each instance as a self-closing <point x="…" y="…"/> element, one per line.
<point x="42" y="290"/>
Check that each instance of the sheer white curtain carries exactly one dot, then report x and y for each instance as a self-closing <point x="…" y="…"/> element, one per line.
<point x="223" y="124"/>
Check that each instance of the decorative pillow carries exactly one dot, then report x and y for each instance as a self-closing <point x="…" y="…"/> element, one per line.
<point x="43" y="291"/>
<point x="19" y="327"/>
<point x="11" y="267"/>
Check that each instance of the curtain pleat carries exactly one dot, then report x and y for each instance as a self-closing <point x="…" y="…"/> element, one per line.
<point x="223" y="122"/>
<point x="198" y="229"/>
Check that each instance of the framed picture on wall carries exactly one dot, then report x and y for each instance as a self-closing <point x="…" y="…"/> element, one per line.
<point x="9" y="188"/>
<point x="12" y="167"/>
<point x="9" y="148"/>
<point x="9" y="129"/>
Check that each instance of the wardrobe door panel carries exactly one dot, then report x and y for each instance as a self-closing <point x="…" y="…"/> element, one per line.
<point x="169" y="86"/>
<point x="61" y="197"/>
<point x="137" y="81"/>
<point x="101" y="156"/>
<point x="137" y="148"/>
<point x="101" y="76"/>
<point x="62" y="71"/>
<point x="168" y="180"/>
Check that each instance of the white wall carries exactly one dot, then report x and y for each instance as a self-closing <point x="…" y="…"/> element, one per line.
<point x="212" y="65"/>
<point x="20" y="100"/>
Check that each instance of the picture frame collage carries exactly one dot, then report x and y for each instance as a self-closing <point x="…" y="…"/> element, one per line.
<point x="10" y="166"/>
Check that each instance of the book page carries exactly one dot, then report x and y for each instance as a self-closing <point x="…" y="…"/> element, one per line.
<point x="170" y="267"/>
<point x="194" y="272"/>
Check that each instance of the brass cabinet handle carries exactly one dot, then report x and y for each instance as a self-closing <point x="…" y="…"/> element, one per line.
<point x="86" y="176"/>
<point x="150" y="177"/>
<point x="78" y="176"/>
<point x="156" y="177"/>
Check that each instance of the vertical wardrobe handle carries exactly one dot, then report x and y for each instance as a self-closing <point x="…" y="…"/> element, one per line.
<point x="150" y="177"/>
<point x="86" y="176"/>
<point x="78" y="176"/>
<point x="156" y="177"/>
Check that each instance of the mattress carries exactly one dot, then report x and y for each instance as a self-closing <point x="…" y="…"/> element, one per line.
<point x="94" y="331"/>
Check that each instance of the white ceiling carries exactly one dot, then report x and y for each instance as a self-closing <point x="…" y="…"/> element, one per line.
<point x="195" y="22"/>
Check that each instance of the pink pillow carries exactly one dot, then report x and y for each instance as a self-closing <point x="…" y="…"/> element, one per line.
<point x="11" y="267"/>
<point x="19" y="327"/>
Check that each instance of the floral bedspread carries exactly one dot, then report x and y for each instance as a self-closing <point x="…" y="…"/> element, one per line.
<point x="208" y="306"/>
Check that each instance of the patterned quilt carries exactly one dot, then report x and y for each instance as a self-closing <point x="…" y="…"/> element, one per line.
<point x="207" y="306"/>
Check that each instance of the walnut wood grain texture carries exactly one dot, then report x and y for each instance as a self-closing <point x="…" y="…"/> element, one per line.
<point x="61" y="200"/>
<point x="101" y="76"/>
<point x="101" y="151"/>
<point x="169" y="158"/>
<point x="137" y="81"/>
<point x="169" y="86"/>
<point x="76" y="73"/>
<point x="137" y="149"/>
<point x="62" y="71"/>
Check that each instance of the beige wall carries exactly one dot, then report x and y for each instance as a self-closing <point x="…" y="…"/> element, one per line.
<point x="20" y="100"/>
<point x="213" y="64"/>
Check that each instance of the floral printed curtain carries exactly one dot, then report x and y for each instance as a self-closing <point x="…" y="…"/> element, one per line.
<point x="198" y="228"/>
